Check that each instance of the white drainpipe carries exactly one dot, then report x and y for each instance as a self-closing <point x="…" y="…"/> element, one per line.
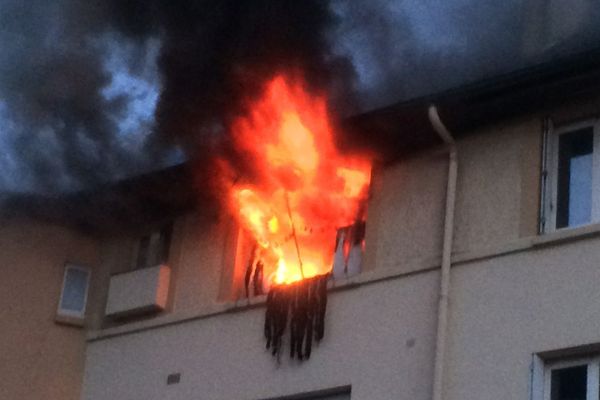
<point x="442" y="323"/>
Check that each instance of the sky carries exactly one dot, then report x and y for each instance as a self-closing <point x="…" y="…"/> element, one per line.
<point x="79" y="87"/>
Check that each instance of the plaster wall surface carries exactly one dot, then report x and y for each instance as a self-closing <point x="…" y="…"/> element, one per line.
<point x="497" y="202"/>
<point x="510" y="296"/>
<point x="378" y="339"/>
<point x="487" y="203"/>
<point x="406" y="210"/>
<point x="497" y="198"/>
<point x="205" y="250"/>
<point x="39" y="358"/>
<point x="504" y="309"/>
<point x="200" y="252"/>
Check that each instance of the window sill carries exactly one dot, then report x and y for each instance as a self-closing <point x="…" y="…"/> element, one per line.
<point x="75" y="322"/>
<point x="567" y="234"/>
<point x="381" y="273"/>
<point x="527" y="243"/>
<point x="242" y="305"/>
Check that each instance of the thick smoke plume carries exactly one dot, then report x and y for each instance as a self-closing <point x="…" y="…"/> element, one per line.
<point x="217" y="55"/>
<point x="91" y="92"/>
<point x="60" y="128"/>
<point x="64" y="130"/>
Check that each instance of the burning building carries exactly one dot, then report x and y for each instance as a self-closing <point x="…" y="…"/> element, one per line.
<point x="443" y="247"/>
<point x="300" y="194"/>
<point x="477" y="273"/>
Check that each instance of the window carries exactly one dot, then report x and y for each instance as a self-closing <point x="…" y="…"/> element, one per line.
<point x="338" y="393"/>
<point x="572" y="177"/>
<point x="241" y="279"/>
<point x="74" y="292"/>
<point x="349" y="250"/>
<point x="570" y="379"/>
<point x="153" y="248"/>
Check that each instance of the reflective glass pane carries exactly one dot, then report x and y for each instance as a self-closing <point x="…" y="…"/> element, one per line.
<point x="73" y="297"/>
<point x="574" y="180"/>
<point x="580" y="192"/>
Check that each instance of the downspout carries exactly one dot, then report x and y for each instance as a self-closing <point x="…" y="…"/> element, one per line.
<point x="442" y="322"/>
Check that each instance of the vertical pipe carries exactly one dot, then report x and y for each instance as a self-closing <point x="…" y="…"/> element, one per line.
<point x="442" y="322"/>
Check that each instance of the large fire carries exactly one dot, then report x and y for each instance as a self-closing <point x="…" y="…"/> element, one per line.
<point x="302" y="190"/>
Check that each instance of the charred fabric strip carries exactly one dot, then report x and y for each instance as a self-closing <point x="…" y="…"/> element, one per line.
<point x="254" y="273"/>
<point x="303" y="305"/>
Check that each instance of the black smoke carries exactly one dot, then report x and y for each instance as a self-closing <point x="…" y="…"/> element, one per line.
<point x="60" y="130"/>
<point x="405" y="49"/>
<point x="217" y="55"/>
<point x="63" y="130"/>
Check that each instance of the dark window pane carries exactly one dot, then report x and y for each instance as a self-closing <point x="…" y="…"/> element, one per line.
<point x="165" y="243"/>
<point x="574" y="200"/>
<point x="142" y="258"/>
<point x="73" y="296"/>
<point x="569" y="383"/>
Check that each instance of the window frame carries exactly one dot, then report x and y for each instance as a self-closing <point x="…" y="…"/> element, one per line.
<point x="542" y="375"/>
<point x="62" y="312"/>
<point x="550" y="174"/>
<point x="159" y="241"/>
<point x="323" y="394"/>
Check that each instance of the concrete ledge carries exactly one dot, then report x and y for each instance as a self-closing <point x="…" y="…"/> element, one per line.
<point x="567" y="234"/>
<point x="368" y="277"/>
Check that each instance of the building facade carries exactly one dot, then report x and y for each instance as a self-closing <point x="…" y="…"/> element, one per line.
<point x="523" y="317"/>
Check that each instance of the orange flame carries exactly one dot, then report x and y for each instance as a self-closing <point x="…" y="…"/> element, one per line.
<point x="303" y="189"/>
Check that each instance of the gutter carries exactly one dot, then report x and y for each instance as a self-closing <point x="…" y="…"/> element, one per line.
<point x="442" y="321"/>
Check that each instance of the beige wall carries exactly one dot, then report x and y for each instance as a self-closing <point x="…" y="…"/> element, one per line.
<point x="397" y="237"/>
<point x="497" y="198"/>
<point x="511" y="296"/>
<point x="381" y="344"/>
<point x="201" y="250"/>
<point x="506" y="308"/>
<point x="39" y="359"/>
<point x="497" y="202"/>
<point x="497" y="189"/>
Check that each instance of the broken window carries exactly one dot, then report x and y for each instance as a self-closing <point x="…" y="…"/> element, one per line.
<point x="249" y="277"/>
<point x="297" y="307"/>
<point x="349" y="249"/>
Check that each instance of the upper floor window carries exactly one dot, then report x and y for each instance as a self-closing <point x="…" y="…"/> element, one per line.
<point x="153" y="248"/>
<point x="74" y="292"/>
<point x="245" y="276"/>
<point x="572" y="176"/>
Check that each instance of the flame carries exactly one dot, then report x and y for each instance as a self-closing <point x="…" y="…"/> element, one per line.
<point x="302" y="188"/>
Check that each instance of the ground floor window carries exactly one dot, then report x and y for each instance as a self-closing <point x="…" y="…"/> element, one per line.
<point x="569" y="379"/>
<point x="337" y="393"/>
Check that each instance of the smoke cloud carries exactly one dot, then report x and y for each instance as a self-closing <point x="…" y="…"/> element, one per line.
<point x="217" y="55"/>
<point x="91" y="92"/>
<point x="60" y="125"/>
